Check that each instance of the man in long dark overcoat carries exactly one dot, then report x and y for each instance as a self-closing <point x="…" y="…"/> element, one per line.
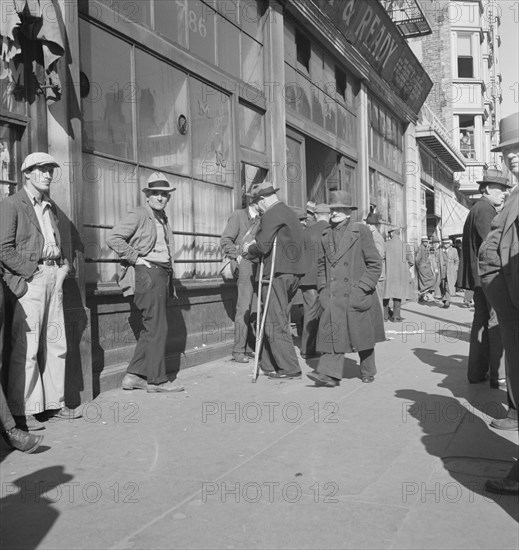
<point x="349" y="267"/>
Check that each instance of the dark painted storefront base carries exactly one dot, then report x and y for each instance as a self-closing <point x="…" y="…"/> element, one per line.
<point x="200" y="322"/>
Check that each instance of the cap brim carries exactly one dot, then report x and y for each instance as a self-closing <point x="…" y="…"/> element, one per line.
<point x="343" y="206"/>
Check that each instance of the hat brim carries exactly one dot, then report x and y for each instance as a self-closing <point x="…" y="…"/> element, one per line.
<point x="340" y="205"/>
<point x="168" y="189"/>
<point x="507" y="184"/>
<point x="504" y="144"/>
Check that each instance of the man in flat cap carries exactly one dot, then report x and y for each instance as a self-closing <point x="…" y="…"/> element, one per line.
<point x="499" y="272"/>
<point x="486" y="356"/>
<point x="34" y="271"/>
<point x="449" y="261"/>
<point x="279" y="359"/>
<point x="144" y="242"/>
<point x="349" y="267"/>
<point x="311" y="306"/>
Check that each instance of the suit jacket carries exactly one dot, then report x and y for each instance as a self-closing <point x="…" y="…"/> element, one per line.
<point x="313" y="234"/>
<point x="22" y="241"/>
<point x="134" y="237"/>
<point x="346" y="280"/>
<point x="503" y="242"/>
<point x="476" y="228"/>
<point x="281" y="221"/>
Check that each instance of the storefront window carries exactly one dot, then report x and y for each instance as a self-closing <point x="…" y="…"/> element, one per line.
<point x="229" y="47"/>
<point x="9" y="163"/>
<point x="387" y="196"/>
<point x="170" y="20"/>
<point x="386" y="137"/>
<point x="252" y="129"/>
<point x="108" y="93"/>
<point x="211" y="133"/>
<point x="201" y="24"/>
<point x="162" y="107"/>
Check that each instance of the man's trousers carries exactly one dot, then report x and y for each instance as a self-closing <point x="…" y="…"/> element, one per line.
<point x="312" y="310"/>
<point x="486" y="354"/>
<point x="36" y="375"/>
<point x="508" y="316"/>
<point x="332" y="364"/>
<point x="278" y="348"/>
<point x="151" y="294"/>
<point x="245" y="286"/>
<point x="6" y="418"/>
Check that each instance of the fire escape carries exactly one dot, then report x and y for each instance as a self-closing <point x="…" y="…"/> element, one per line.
<point x="408" y="16"/>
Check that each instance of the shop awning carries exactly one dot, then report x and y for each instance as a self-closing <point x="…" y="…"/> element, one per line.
<point x="453" y="216"/>
<point x="38" y="21"/>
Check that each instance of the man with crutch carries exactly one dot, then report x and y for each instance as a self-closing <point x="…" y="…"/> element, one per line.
<point x="286" y="261"/>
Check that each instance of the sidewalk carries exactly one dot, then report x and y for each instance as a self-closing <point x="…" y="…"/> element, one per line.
<point x="399" y="463"/>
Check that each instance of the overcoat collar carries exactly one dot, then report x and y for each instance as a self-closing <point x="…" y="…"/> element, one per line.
<point x="349" y="238"/>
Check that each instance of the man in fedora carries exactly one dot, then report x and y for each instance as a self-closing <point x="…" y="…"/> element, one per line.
<point x="424" y="270"/>
<point x="396" y="286"/>
<point x="311" y="305"/>
<point x="279" y="359"/>
<point x="34" y="271"/>
<point x="449" y="262"/>
<point x="144" y="242"/>
<point x="241" y="227"/>
<point x="373" y="222"/>
<point x="349" y="267"/>
<point x="486" y="358"/>
<point x="499" y="272"/>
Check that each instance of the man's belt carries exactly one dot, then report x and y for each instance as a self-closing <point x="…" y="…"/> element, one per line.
<point x="56" y="261"/>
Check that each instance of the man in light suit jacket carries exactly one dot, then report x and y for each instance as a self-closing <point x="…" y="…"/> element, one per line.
<point x="143" y="241"/>
<point x="34" y="271"/>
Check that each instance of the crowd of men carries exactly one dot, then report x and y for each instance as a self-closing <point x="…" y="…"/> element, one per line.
<point x="351" y="281"/>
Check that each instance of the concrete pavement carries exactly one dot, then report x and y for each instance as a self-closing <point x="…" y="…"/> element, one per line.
<point x="399" y="463"/>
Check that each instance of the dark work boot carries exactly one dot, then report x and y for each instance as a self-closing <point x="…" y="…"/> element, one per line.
<point x="396" y="310"/>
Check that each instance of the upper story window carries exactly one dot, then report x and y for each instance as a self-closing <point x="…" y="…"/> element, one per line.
<point x="465" y="56"/>
<point x="303" y="51"/>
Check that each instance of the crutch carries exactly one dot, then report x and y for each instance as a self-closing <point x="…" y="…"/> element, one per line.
<point x="260" y="324"/>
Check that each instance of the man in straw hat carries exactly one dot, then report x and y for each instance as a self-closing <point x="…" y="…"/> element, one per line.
<point x="486" y="358"/>
<point x="349" y="267"/>
<point x="34" y="271"/>
<point x="311" y="306"/>
<point x="279" y="359"/>
<point x="499" y="272"/>
<point x="143" y="240"/>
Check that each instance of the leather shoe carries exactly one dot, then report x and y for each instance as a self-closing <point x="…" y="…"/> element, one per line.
<point x="504" y="423"/>
<point x="68" y="414"/>
<point x="276" y="375"/>
<point x="496" y="384"/>
<point x="22" y="441"/>
<point x="368" y="379"/>
<point x="323" y="380"/>
<point x="167" y="387"/>
<point x="28" y="423"/>
<point x="250" y="354"/>
<point x="484" y="379"/>
<point x="240" y="358"/>
<point x="133" y="382"/>
<point x="504" y="486"/>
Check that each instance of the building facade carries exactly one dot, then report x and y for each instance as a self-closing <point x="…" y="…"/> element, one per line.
<point x="315" y="95"/>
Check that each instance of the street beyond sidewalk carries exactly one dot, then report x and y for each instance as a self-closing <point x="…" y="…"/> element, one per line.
<point x="400" y="463"/>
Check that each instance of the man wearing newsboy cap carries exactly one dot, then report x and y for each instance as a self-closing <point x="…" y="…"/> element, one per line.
<point x="279" y="359"/>
<point x="499" y="271"/>
<point x="486" y="358"/>
<point x="144" y="242"/>
<point x="34" y="271"/>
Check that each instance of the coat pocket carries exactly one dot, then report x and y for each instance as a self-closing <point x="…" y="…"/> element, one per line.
<point x="360" y="300"/>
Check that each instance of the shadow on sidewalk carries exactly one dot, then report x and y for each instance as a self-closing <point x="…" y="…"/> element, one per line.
<point x="27" y="507"/>
<point x="454" y="368"/>
<point x="440" y="416"/>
